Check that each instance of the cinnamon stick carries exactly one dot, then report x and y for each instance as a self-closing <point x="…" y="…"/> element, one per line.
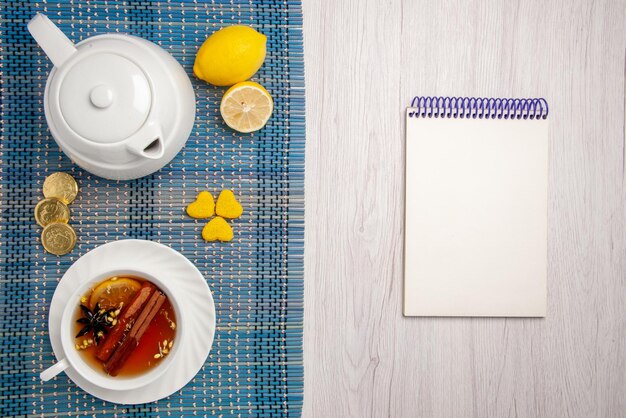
<point x="123" y="351"/>
<point x="125" y="320"/>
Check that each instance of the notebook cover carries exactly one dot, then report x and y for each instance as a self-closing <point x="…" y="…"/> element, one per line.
<point x="476" y="216"/>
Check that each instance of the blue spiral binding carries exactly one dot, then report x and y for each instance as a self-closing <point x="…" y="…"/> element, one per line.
<point x="478" y="108"/>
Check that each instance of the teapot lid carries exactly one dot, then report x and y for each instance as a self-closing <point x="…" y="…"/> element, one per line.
<point x="104" y="97"/>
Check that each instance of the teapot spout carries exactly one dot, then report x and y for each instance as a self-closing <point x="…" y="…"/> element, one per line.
<point x="148" y="142"/>
<point x="50" y="38"/>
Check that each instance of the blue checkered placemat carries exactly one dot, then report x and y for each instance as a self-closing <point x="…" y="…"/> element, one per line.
<point x="255" y="366"/>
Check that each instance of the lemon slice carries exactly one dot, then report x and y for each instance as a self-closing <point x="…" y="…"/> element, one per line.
<point x="246" y="106"/>
<point x="111" y="293"/>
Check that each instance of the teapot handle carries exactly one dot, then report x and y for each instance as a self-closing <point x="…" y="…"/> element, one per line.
<point x="50" y="38"/>
<point x="147" y="142"/>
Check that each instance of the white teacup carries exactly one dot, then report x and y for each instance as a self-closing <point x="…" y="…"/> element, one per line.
<point x="98" y="377"/>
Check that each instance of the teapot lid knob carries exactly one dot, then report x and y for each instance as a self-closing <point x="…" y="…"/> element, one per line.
<point x="101" y="96"/>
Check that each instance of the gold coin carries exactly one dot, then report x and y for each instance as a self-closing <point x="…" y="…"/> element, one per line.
<point x="58" y="238"/>
<point x="51" y="210"/>
<point x="60" y="186"/>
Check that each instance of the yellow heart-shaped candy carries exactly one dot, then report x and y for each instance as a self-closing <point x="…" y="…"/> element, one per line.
<point x="217" y="230"/>
<point x="227" y="205"/>
<point x="203" y="207"/>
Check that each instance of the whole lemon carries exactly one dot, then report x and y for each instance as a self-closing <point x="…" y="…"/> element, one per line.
<point x="230" y="55"/>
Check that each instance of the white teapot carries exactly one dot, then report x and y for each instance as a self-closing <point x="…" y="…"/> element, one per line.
<point x="119" y="106"/>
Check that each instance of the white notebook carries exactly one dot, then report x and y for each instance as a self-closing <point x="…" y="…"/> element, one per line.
<point x="476" y="207"/>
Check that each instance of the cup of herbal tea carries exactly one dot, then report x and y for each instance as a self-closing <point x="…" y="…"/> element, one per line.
<point x="120" y="330"/>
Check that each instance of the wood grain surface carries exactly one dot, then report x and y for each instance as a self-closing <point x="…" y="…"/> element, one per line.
<point x="365" y="59"/>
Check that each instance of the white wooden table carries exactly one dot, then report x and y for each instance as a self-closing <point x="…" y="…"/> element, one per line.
<point x="365" y="59"/>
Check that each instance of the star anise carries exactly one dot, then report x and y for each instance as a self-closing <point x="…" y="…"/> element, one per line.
<point x="97" y="321"/>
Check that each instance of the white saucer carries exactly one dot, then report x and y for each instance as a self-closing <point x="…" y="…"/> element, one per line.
<point x="153" y="259"/>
